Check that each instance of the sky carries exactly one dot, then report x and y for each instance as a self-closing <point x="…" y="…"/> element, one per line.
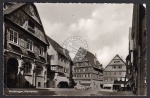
<point x="105" y="27"/>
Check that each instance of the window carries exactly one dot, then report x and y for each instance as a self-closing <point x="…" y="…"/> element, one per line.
<point x="39" y="84"/>
<point x="119" y="73"/>
<point x="13" y="36"/>
<point x="116" y="61"/>
<point x="27" y="68"/>
<point x="79" y="75"/>
<point x="76" y="70"/>
<point x="114" y="73"/>
<point x="29" y="44"/>
<point x="79" y="70"/>
<point x="65" y="70"/>
<point x="112" y="79"/>
<point x="76" y="75"/>
<point x="110" y="73"/>
<point x="83" y="75"/>
<point x="31" y="26"/>
<point x="114" y="67"/>
<point x="120" y="66"/>
<point x="83" y="69"/>
<point x="89" y="75"/>
<point x="41" y="51"/>
<point x="53" y="67"/>
<point x="105" y="73"/>
<point x="39" y="70"/>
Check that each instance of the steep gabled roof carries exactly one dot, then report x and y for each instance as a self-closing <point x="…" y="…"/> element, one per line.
<point x="90" y="57"/>
<point x="119" y="58"/>
<point x="114" y="59"/>
<point x="55" y="45"/>
<point x="13" y="8"/>
<point x="58" y="48"/>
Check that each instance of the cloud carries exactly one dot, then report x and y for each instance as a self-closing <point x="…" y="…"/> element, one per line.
<point x="105" y="27"/>
<point x="107" y="53"/>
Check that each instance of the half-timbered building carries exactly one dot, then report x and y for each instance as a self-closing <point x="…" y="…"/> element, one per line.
<point x="87" y="70"/>
<point x="25" y="46"/>
<point x="114" y="74"/>
<point x="60" y="67"/>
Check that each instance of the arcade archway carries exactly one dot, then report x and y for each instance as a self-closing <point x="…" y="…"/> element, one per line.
<point x="12" y="70"/>
<point x="62" y="84"/>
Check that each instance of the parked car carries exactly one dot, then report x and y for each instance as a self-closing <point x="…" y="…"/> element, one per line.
<point x="80" y="87"/>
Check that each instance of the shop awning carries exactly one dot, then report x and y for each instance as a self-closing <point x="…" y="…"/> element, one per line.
<point x="107" y="85"/>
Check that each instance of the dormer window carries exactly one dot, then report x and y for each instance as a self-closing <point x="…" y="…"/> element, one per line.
<point x="31" y="26"/>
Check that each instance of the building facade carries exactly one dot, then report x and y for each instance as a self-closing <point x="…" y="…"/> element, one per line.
<point x="129" y="63"/>
<point x="60" y="73"/>
<point x="139" y="36"/>
<point x="25" y="47"/>
<point x="87" y="71"/>
<point x="114" y="74"/>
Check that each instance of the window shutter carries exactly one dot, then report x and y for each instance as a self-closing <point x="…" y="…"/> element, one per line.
<point x="34" y="49"/>
<point x="8" y="34"/>
<point x="37" y="50"/>
<point x="20" y="42"/>
<point x="25" y="44"/>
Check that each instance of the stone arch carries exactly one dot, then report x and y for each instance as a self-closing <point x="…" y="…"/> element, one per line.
<point x="12" y="70"/>
<point x="62" y="84"/>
